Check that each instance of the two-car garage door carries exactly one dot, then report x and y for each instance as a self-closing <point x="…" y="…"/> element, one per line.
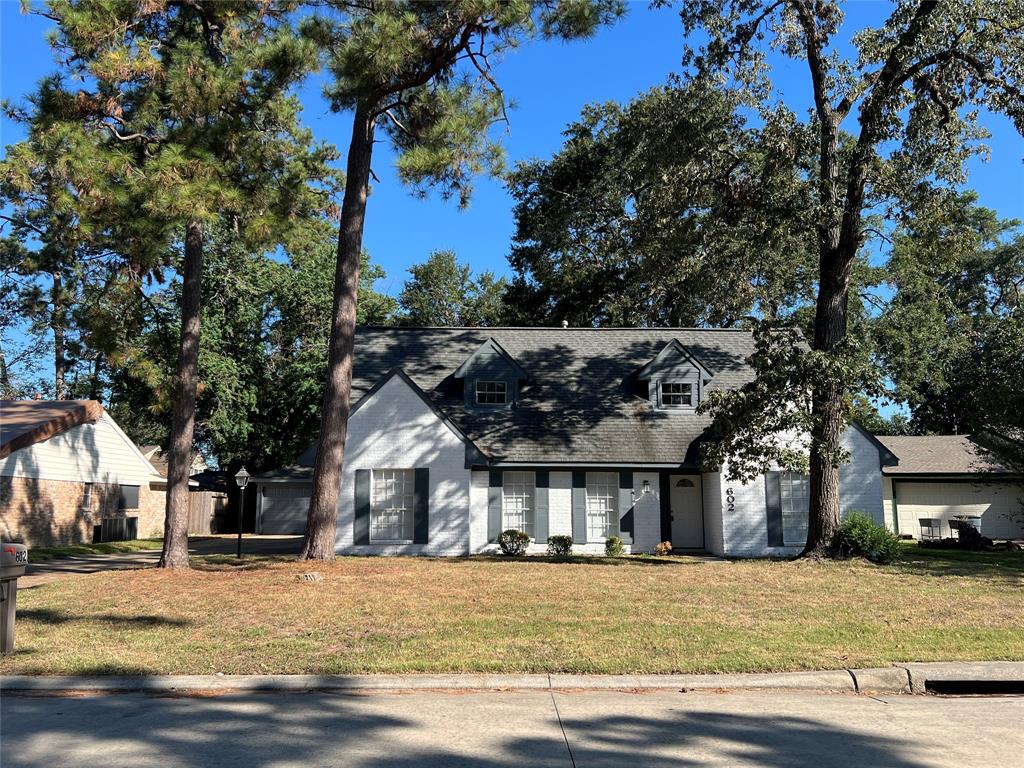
<point x="283" y="507"/>
<point x="998" y="505"/>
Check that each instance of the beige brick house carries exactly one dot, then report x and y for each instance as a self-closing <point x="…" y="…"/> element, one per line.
<point x="68" y="473"/>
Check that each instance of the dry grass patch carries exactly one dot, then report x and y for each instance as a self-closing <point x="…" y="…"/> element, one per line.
<point x="491" y="615"/>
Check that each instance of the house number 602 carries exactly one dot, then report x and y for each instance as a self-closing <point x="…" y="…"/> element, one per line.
<point x="730" y="499"/>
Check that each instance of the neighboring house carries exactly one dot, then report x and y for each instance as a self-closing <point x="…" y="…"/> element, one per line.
<point x="69" y="474"/>
<point x="208" y="492"/>
<point x="940" y="477"/>
<point x="158" y="458"/>
<point x="457" y="434"/>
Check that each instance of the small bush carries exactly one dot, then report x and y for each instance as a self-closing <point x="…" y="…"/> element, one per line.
<point x="664" y="548"/>
<point x="560" y="546"/>
<point x="513" y="542"/>
<point x="614" y="546"/>
<point x="860" y="536"/>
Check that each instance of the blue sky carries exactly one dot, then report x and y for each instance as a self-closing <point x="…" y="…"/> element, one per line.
<point x="550" y="83"/>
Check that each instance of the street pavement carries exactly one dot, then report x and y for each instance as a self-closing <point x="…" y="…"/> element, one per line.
<point x="511" y="730"/>
<point x="51" y="570"/>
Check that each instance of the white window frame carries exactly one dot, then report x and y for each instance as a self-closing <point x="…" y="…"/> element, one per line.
<point x="602" y="505"/>
<point x="87" y="496"/>
<point x="490" y="387"/>
<point x="662" y="394"/>
<point x="794" y="502"/>
<point x="518" y="499"/>
<point x="392" y="506"/>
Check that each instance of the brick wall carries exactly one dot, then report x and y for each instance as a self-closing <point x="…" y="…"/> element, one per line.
<point x="52" y="512"/>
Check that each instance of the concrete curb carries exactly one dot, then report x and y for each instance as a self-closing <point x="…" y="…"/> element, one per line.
<point x="899" y="678"/>
<point x="890" y="680"/>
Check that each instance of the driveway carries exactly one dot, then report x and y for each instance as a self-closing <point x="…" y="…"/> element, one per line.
<point x="511" y="730"/>
<point x="51" y="570"/>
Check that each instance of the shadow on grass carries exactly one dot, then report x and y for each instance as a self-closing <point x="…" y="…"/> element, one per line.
<point x="318" y="729"/>
<point x="57" y="618"/>
<point x="625" y="560"/>
<point x="954" y="562"/>
<point x="226" y="563"/>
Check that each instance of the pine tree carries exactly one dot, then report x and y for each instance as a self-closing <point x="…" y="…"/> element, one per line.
<point x="422" y="72"/>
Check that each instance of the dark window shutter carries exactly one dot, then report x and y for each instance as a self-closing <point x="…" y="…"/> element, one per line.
<point x="773" y="508"/>
<point x="361" y="526"/>
<point x="626" y="506"/>
<point x="540" y="507"/>
<point x="494" y="505"/>
<point x="421" y="518"/>
<point x="665" y="505"/>
<point x="579" y="507"/>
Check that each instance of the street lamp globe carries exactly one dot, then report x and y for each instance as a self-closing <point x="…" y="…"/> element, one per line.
<point x="242" y="478"/>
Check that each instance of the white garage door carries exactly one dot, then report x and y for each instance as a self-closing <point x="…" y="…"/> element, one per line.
<point x="996" y="503"/>
<point x="284" y="508"/>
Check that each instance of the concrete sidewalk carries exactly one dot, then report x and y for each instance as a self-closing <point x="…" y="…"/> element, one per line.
<point x="538" y="729"/>
<point x="905" y="678"/>
<point x="51" y="570"/>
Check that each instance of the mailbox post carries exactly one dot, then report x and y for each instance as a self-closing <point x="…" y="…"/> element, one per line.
<point x="13" y="559"/>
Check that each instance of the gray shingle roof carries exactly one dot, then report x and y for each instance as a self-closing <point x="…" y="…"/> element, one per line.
<point x="939" y="454"/>
<point x="581" y="403"/>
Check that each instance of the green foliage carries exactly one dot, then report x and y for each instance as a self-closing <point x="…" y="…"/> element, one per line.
<point x="860" y="536"/>
<point x="443" y="292"/>
<point x="670" y="210"/>
<point x="956" y="318"/>
<point x="559" y="546"/>
<point x="914" y="88"/>
<point x="513" y="542"/>
<point x="423" y="71"/>
<point x="614" y="546"/>
<point x="263" y="351"/>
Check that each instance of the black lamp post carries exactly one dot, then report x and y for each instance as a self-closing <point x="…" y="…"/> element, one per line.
<point x="241" y="480"/>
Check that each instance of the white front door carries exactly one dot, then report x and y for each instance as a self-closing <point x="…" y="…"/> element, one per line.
<point x="687" y="512"/>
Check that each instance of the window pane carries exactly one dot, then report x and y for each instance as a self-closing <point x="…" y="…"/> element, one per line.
<point x="795" y="496"/>
<point x="491" y="392"/>
<point x="517" y="496"/>
<point x="602" y="505"/>
<point x="676" y="393"/>
<point x="392" y="504"/>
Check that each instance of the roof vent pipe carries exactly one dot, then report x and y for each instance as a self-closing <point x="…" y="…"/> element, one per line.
<point x="565" y="323"/>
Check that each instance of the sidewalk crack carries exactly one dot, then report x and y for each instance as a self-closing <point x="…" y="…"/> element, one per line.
<point x="565" y="736"/>
<point x="856" y="687"/>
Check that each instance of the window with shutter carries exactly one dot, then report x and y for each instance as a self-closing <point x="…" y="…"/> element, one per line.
<point x="518" y="495"/>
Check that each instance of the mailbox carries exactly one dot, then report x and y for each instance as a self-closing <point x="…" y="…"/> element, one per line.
<point x="13" y="559"/>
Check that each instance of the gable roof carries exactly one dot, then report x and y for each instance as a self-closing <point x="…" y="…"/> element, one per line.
<point x="673" y="347"/>
<point x="26" y="422"/>
<point x="940" y="455"/>
<point x="581" y="404"/>
<point x="494" y="346"/>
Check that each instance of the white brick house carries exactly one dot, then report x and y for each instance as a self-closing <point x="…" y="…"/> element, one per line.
<point x="459" y="433"/>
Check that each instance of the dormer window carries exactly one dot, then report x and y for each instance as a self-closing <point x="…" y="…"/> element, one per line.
<point x="676" y="394"/>
<point x="491" y="392"/>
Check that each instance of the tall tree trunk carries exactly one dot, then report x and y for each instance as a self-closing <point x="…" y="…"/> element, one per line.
<point x="827" y="407"/>
<point x="319" y="541"/>
<point x="183" y="417"/>
<point x="57" y="326"/>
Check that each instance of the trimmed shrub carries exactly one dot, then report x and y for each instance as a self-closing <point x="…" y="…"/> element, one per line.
<point x="614" y="546"/>
<point x="513" y="542"/>
<point x="664" y="548"/>
<point x="560" y="546"/>
<point x="860" y="536"/>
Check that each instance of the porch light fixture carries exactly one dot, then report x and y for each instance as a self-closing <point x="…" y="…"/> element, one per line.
<point x="647" y="486"/>
<point x="685" y="483"/>
<point x="241" y="480"/>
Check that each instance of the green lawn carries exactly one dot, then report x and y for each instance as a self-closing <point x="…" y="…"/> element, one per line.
<point x="42" y="554"/>
<point x="492" y="615"/>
